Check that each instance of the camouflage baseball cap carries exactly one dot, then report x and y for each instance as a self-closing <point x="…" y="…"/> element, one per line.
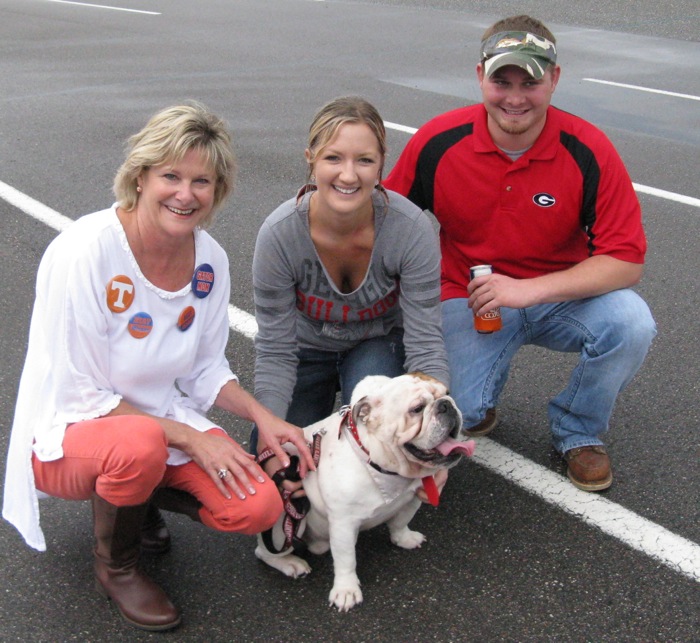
<point x="525" y="50"/>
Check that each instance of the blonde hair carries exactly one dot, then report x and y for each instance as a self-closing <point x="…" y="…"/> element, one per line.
<point x="338" y="112"/>
<point x="166" y="138"/>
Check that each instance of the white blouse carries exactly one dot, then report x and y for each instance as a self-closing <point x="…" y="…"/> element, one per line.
<point x="101" y="332"/>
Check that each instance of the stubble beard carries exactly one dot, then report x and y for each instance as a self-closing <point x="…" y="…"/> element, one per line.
<point x="513" y="128"/>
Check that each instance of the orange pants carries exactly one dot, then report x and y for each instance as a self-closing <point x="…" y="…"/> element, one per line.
<point x="123" y="460"/>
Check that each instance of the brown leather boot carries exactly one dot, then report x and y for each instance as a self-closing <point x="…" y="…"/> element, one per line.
<point x="589" y="468"/>
<point x="486" y="425"/>
<point x="155" y="537"/>
<point x="178" y="501"/>
<point x="117" y="576"/>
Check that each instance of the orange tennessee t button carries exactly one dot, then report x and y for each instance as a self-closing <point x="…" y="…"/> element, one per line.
<point x="120" y="293"/>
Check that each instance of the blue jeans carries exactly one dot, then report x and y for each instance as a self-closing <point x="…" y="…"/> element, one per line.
<point x="611" y="332"/>
<point x="321" y="374"/>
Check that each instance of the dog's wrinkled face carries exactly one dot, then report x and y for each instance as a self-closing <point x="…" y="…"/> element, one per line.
<point x="413" y="427"/>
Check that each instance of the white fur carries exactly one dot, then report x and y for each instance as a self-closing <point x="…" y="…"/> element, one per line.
<point x="344" y="498"/>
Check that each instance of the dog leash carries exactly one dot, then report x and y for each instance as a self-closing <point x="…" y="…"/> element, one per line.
<point x="295" y="509"/>
<point x="431" y="490"/>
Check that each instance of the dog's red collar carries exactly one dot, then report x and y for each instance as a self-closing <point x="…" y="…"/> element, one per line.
<point x="348" y="421"/>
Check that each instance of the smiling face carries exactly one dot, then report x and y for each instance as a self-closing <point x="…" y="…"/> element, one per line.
<point x="347" y="170"/>
<point x="516" y="104"/>
<point x="176" y="197"/>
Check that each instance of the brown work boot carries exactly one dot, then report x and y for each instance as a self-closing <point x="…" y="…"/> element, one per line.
<point x="155" y="537"/>
<point x="486" y="425"/>
<point x="589" y="468"/>
<point x="117" y="575"/>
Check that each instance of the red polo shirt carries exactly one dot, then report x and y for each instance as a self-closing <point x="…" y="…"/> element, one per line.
<point x="567" y="198"/>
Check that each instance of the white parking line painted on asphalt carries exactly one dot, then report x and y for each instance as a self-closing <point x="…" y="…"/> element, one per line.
<point x="674" y="551"/>
<point x="101" y="6"/>
<point x="242" y="322"/>
<point x="400" y="128"/>
<point x="671" y="196"/>
<point x="645" y="189"/>
<point x="643" y="89"/>
<point x="641" y="534"/>
<point x="34" y="208"/>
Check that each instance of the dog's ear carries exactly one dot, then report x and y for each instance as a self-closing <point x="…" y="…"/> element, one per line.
<point x="366" y="410"/>
<point x="361" y="409"/>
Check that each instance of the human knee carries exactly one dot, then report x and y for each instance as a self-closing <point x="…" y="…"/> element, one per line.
<point x="265" y="509"/>
<point x="629" y="325"/>
<point x="136" y="464"/>
<point x="257" y="513"/>
<point x="147" y="445"/>
<point x="642" y="324"/>
<point x="383" y="355"/>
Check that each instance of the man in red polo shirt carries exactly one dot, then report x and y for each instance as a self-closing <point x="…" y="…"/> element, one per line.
<point x="543" y="197"/>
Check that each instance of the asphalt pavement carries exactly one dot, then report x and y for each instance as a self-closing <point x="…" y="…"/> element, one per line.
<point x="502" y="561"/>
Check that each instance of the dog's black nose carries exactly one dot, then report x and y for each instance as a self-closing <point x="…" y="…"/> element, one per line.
<point x="443" y="406"/>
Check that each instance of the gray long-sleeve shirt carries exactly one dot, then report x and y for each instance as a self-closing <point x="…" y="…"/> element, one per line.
<point x="298" y="306"/>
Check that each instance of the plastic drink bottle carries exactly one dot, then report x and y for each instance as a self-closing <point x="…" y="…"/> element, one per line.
<point x="491" y="321"/>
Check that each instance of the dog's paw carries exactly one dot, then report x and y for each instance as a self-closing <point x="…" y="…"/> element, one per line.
<point x="407" y="539"/>
<point x="345" y="597"/>
<point x="289" y="565"/>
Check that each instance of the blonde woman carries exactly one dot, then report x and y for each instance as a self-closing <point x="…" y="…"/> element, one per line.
<point x="125" y="357"/>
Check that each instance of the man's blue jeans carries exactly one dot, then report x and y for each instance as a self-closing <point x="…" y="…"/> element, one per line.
<point x="611" y="332"/>
<point x="321" y="374"/>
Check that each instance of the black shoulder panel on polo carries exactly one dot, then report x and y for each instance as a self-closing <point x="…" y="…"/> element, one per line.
<point x="590" y="170"/>
<point x="422" y="190"/>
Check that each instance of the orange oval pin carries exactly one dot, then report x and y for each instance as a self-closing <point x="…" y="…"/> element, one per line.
<point x="186" y="318"/>
<point x="120" y="293"/>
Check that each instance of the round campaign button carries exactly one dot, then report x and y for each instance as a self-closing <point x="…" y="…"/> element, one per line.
<point x="186" y="318"/>
<point x="203" y="280"/>
<point x="140" y="325"/>
<point x="120" y="293"/>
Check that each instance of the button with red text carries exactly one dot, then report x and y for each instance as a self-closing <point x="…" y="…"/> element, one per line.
<point x="203" y="280"/>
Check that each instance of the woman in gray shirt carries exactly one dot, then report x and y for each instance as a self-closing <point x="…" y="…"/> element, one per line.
<point x="346" y="276"/>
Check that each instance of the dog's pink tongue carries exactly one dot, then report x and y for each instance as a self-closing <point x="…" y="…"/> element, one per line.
<point x="450" y="445"/>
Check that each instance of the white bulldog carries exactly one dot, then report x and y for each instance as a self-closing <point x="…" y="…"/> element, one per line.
<point x="374" y="454"/>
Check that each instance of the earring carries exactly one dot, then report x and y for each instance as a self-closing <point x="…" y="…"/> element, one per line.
<point x="138" y="189"/>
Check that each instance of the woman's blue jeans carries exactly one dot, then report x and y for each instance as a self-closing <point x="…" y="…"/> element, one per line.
<point x="322" y="374"/>
<point x="612" y="333"/>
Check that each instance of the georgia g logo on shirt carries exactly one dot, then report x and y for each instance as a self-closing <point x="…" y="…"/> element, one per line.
<point x="544" y="200"/>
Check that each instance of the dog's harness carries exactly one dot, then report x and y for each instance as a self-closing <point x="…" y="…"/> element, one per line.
<point x="294" y="508"/>
<point x="297" y="508"/>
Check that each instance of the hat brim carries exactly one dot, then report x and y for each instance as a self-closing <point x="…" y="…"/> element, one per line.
<point x="536" y="66"/>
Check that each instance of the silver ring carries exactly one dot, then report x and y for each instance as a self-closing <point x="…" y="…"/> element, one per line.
<point x="222" y="473"/>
